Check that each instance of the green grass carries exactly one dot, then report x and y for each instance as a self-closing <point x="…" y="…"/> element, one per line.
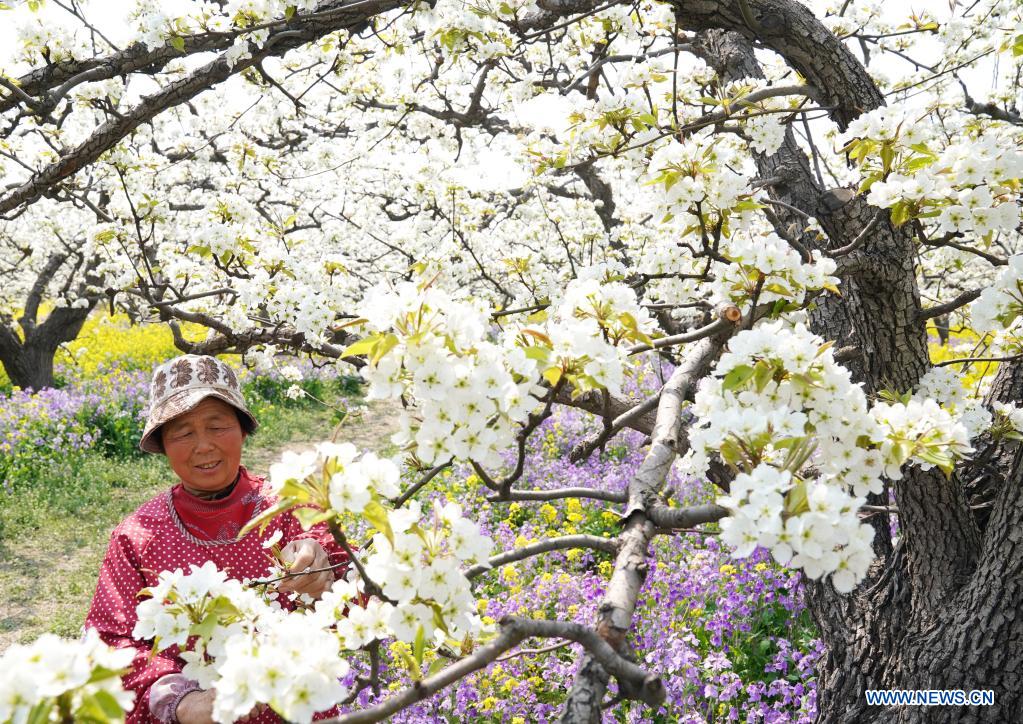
<point x="53" y="534"/>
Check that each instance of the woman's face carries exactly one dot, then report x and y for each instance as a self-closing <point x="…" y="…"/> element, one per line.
<point x="204" y="446"/>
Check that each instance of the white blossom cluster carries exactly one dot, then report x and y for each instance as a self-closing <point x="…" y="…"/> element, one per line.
<point x="415" y="557"/>
<point x="290" y="665"/>
<point x="250" y="651"/>
<point x="159" y="23"/>
<point x="817" y="529"/>
<point x="787" y="416"/>
<point x="920" y="431"/>
<point x="769" y="258"/>
<point x="765" y="130"/>
<point x="1011" y="413"/>
<point x="970" y="185"/>
<point x="591" y="322"/>
<point x="53" y="675"/>
<point x="469" y="392"/>
<point x="419" y="568"/>
<point x="701" y="172"/>
<point x="946" y="387"/>
<point x="999" y="306"/>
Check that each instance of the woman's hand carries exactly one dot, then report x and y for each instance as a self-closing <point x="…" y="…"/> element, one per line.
<point x="306" y="554"/>
<point x="197" y="708"/>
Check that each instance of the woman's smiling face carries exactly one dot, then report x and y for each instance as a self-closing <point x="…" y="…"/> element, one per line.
<point x="204" y="446"/>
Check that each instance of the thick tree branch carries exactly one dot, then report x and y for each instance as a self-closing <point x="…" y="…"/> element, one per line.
<point x="631" y="565"/>
<point x="513" y="632"/>
<point x="666" y="517"/>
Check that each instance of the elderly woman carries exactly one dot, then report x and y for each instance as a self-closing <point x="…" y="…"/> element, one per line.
<point x="199" y="420"/>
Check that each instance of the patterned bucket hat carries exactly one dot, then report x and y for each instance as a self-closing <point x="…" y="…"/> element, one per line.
<point x="181" y="384"/>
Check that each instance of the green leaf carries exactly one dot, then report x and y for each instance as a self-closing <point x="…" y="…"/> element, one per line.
<point x="377" y="517"/>
<point x="94" y="709"/>
<point x="386" y="344"/>
<point x="540" y="354"/>
<point x="764" y="374"/>
<point x="887" y="156"/>
<point x="918" y="162"/>
<point x="737" y="377"/>
<point x="552" y="375"/>
<point x="361" y="347"/>
<point x="414" y="671"/>
<point x="436" y="666"/>
<point x="178" y="43"/>
<point x="101" y="673"/>
<point x="205" y="628"/>
<point x="419" y="645"/>
<point x="438" y="619"/>
<point x="539" y="336"/>
<point x="289" y="12"/>
<point x="900" y="214"/>
<point x="109" y="705"/>
<point x="308" y="517"/>
<point x="731" y="452"/>
<point x="796" y="501"/>
<point x="266" y="516"/>
<point x="40" y="713"/>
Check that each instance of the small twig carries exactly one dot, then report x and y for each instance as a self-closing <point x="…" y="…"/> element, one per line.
<point x="13" y="88"/>
<point x="294" y="574"/>
<point x="371" y="587"/>
<point x="728" y="317"/>
<point x="584" y="449"/>
<point x="192" y="297"/>
<point x="940" y="309"/>
<point x="418" y="485"/>
<point x="518" y="310"/>
<point x="788" y="207"/>
<point x="594" y="542"/>
<point x="558" y="493"/>
<point x="571" y="21"/>
<point x="531" y="652"/>
<point x="962" y="360"/>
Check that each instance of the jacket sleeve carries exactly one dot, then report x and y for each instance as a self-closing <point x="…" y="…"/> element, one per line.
<point x="112" y="614"/>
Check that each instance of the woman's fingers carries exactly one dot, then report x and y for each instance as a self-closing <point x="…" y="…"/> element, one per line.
<point x="304" y="555"/>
